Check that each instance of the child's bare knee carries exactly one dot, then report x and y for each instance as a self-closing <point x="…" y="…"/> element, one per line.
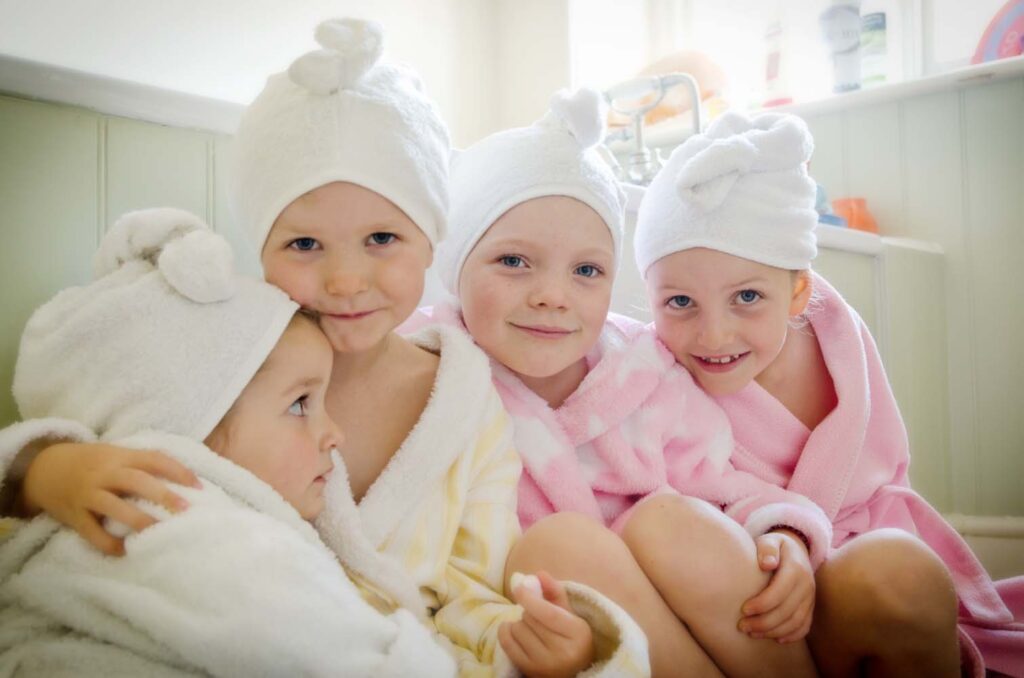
<point x="705" y="549"/>
<point x="894" y="578"/>
<point x="561" y="542"/>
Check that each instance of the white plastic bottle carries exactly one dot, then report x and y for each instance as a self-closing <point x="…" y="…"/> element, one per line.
<point x="881" y="44"/>
<point x="840" y="25"/>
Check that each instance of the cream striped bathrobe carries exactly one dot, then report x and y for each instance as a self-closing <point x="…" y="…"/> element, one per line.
<point x="441" y="518"/>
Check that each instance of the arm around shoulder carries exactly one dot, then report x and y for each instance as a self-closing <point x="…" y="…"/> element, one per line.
<point x="20" y="444"/>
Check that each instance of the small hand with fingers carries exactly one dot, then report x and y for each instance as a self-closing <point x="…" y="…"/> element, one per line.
<point x="81" y="484"/>
<point x="551" y="640"/>
<point x="783" y="611"/>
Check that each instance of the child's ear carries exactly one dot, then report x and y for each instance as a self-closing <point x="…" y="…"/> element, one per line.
<point x="802" y="289"/>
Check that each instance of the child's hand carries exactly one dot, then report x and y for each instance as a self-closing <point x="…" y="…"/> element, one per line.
<point x="784" y="609"/>
<point x="550" y="640"/>
<point x="80" y="484"/>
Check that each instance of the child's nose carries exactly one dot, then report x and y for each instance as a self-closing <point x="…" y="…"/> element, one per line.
<point x="714" y="332"/>
<point x="548" y="292"/>
<point x="346" y="281"/>
<point x="331" y="436"/>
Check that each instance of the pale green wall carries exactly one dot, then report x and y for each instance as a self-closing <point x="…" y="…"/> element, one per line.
<point x="65" y="175"/>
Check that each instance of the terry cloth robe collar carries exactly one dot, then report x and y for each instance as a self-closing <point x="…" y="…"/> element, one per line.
<point x="360" y="559"/>
<point x="588" y="413"/>
<point x="410" y="473"/>
<point x="357" y="532"/>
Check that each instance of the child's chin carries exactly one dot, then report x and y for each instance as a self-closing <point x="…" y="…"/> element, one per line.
<point x="719" y="387"/>
<point x="311" y="513"/>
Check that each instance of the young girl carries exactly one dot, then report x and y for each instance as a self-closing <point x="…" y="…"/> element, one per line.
<point x="725" y="240"/>
<point x="535" y="228"/>
<point x="154" y="355"/>
<point x="340" y="174"/>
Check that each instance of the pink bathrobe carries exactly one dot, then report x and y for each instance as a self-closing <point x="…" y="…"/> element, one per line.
<point x="854" y="466"/>
<point x="620" y="438"/>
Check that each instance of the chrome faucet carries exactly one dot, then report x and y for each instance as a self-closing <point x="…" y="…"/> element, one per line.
<point x="642" y="163"/>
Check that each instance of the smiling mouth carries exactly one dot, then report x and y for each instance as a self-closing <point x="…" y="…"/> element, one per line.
<point x="720" y="363"/>
<point x="721" y="360"/>
<point x="348" y="316"/>
<point x="543" y="331"/>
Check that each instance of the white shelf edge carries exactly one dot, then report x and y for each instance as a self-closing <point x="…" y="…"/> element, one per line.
<point x="45" y="82"/>
<point x="968" y="76"/>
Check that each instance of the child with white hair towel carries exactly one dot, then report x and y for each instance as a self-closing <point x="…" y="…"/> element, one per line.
<point x="340" y="173"/>
<point x="626" y="460"/>
<point x="725" y="239"/>
<point x="168" y="350"/>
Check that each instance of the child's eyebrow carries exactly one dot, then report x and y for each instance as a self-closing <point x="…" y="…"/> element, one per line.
<point x="296" y="228"/>
<point x="510" y="243"/>
<point x="749" y="281"/>
<point x="303" y="385"/>
<point x="728" y="286"/>
<point x="594" y="253"/>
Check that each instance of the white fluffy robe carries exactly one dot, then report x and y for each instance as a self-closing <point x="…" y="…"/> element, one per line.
<point x="237" y="585"/>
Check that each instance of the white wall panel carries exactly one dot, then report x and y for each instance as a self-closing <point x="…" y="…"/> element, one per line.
<point x="49" y="193"/>
<point x="827" y="161"/>
<point x="246" y="257"/>
<point x="151" y="165"/>
<point x="994" y="142"/>
<point x="934" y="182"/>
<point x="874" y="165"/>
<point x="948" y="168"/>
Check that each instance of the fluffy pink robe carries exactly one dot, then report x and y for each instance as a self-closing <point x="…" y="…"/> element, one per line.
<point x="621" y="437"/>
<point x="854" y="466"/>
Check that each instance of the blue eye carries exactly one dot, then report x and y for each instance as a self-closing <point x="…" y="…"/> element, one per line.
<point x="588" y="271"/>
<point x="679" y="301"/>
<point x="747" y="297"/>
<point x="382" y="238"/>
<point x="512" y="261"/>
<point x="299" y="407"/>
<point x="304" y="244"/>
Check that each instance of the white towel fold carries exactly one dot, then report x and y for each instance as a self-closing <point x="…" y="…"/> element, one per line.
<point x="741" y="188"/>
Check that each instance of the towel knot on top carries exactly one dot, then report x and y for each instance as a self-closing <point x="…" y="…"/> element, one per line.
<point x="582" y="113"/>
<point x="194" y="260"/>
<point x="741" y="188"/>
<point x="735" y="146"/>
<point x="341" y="114"/>
<point x="351" y="47"/>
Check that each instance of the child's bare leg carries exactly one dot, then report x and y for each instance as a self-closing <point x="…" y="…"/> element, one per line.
<point x="705" y="566"/>
<point x="574" y="547"/>
<point x="885" y="606"/>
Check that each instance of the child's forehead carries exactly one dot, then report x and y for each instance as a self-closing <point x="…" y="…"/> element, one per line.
<point x="713" y="269"/>
<point x="303" y="352"/>
<point x="340" y="204"/>
<point x="551" y="229"/>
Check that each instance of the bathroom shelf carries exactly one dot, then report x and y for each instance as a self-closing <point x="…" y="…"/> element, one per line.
<point x="669" y="133"/>
<point x="962" y="77"/>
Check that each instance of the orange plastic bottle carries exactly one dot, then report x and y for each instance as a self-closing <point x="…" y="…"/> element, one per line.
<point x="856" y="213"/>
